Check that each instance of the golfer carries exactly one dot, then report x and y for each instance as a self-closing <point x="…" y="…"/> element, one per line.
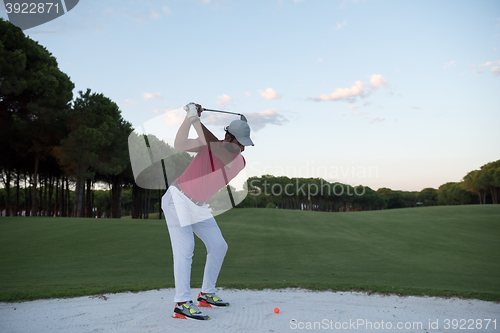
<point x="186" y="212"/>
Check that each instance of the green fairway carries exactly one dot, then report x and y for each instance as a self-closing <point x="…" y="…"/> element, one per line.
<point x="441" y="251"/>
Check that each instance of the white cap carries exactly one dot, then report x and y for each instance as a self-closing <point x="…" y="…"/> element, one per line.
<point x="241" y="132"/>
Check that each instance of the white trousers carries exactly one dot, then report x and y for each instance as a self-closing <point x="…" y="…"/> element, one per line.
<point x="183" y="219"/>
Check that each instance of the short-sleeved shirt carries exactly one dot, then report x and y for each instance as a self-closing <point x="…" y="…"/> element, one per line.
<point x="207" y="174"/>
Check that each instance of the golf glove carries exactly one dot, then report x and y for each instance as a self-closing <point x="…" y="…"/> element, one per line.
<point x="192" y="110"/>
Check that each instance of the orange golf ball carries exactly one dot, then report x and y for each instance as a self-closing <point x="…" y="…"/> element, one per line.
<point x="276" y="310"/>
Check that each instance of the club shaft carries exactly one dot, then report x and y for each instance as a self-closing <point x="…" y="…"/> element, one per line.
<point x="239" y="114"/>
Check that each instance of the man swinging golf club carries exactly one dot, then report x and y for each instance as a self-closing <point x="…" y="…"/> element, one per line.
<point x="186" y="212"/>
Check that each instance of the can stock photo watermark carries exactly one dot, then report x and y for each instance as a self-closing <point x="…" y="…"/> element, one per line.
<point x="27" y="14"/>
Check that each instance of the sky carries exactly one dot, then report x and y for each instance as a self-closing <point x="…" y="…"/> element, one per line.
<point x="397" y="94"/>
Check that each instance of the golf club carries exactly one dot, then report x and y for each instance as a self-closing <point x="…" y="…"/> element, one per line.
<point x="242" y="117"/>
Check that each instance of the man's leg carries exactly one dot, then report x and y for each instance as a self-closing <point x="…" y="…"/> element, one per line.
<point x="182" y="240"/>
<point x="208" y="231"/>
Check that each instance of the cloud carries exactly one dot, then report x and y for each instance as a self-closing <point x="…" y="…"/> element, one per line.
<point x="147" y="96"/>
<point x="360" y="114"/>
<point x="129" y="102"/>
<point x="297" y="1"/>
<point x="174" y="117"/>
<point x="269" y="93"/>
<point x="415" y="107"/>
<point x="377" y="120"/>
<point x="217" y="119"/>
<point x="376" y="81"/>
<point x="451" y="63"/>
<point x="349" y="94"/>
<point x="166" y="10"/>
<point x="155" y="14"/>
<point x="489" y="63"/>
<point x="494" y="69"/>
<point x="498" y="23"/>
<point x="357" y="90"/>
<point x="258" y="120"/>
<point x="223" y="100"/>
<point x="341" y="25"/>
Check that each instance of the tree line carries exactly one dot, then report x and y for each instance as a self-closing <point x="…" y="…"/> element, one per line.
<point x="477" y="187"/>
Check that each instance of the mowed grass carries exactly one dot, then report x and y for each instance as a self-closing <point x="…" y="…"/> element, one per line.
<point x="438" y="251"/>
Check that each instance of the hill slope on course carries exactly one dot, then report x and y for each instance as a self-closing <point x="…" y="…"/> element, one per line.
<point x="440" y="251"/>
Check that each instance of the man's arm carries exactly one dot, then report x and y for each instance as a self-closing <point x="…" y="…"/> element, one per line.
<point x="183" y="143"/>
<point x="208" y="138"/>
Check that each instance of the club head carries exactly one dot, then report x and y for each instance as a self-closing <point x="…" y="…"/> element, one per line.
<point x="244" y="118"/>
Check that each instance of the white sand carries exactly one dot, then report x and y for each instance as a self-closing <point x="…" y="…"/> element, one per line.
<point x="250" y="311"/>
